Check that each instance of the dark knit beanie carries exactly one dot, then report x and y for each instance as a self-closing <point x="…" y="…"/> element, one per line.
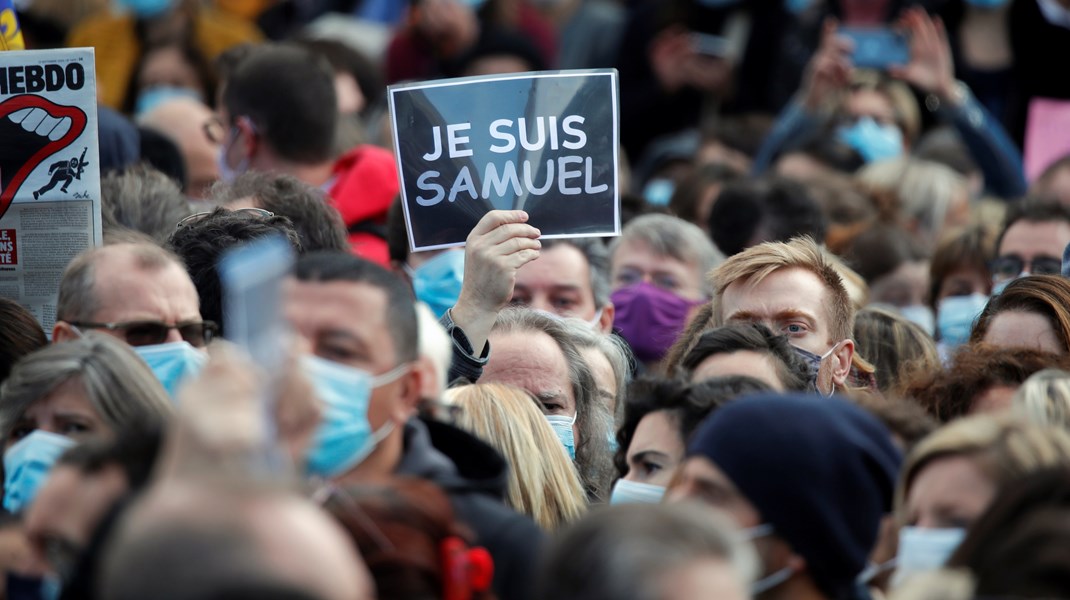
<point x="821" y="471"/>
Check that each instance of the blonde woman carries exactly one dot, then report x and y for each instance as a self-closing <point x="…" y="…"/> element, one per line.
<point x="952" y="476"/>
<point x="1044" y="398"/>
<point x="543" y="483"/>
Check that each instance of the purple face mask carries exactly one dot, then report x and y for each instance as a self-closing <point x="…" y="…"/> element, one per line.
<point x="650" y="318"/>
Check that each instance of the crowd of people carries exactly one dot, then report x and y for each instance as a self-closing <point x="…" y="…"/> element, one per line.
<point x="828" y="356"/>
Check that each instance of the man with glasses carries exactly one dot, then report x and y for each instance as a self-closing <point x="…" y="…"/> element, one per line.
<point x="141" y="294"/>
<point x="1034" y="235"/>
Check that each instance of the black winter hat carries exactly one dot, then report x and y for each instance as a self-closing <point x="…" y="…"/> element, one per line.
<point x="821" y="471"/>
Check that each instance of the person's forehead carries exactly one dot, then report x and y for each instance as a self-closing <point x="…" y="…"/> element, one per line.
<point x="782" y="291"/>
<point x="530" y="360"/>
<point x="349" y="305"/>
<point x="1031" y="238"/>
<point x="656" y="431"/>
<point x="759" y="365"/>
<point x="125" y="290"/>
<point x="867" y="101"/>
<point x="562" y="265"/>
<point x="637" y="252"/>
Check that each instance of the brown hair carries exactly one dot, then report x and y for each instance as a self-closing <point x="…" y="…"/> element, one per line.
<point x="401" y="527"/>
<point x="1046" y="295"/>
<point x="20" y="335"/>
<point x="968" y="248"/>
<point x="894" y="345"/>
<point x="949" y="393"/>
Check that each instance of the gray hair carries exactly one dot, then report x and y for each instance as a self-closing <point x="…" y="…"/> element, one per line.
<point x="613" y="348"/>
<point x="142" y="199"/>
<point x="120" y="387"/>
<point x="593" y="421"/>
<point x="597" y="255"/>
<point x="624" y="551"/>
<point x="671" y="236"/>
<point x="77" y="300"/>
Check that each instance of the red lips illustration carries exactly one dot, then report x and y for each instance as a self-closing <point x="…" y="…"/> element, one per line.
<point x="24" y="130"/>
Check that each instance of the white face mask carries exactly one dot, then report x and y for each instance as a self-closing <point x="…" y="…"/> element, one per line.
<point x="773" y="579"/>
<point x="922" y="550"/>
<point x="633" y="492"/>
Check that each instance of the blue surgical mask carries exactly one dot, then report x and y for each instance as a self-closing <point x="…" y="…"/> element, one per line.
<point x="796" y="7"/>
<point x="955" y="318"/>
<point x="152" y="97"/>
<point x="872" y="140"/>
<point x="633" y="492"/>
<point x="27" y="464"/>
<point x="344" y="437"/>
<point x="437" y="282"/>
<point x="923" y="550"/>
<point x="658" y="192"/>
<point x="562" y="426"/>
<point x="173" y="363"/>
<point x="226" y="173"/>
<point x="920" y="315"/>
<point x="147" y="9"/>
<point x="813" y="361"/>
<point x="998" y="287"/>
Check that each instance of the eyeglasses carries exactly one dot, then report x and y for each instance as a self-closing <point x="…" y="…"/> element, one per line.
<point x="256" y="213"/>
<point x="1011" y="265"/>
<point x="215" y="130"/>
<point x="149" y="333"/>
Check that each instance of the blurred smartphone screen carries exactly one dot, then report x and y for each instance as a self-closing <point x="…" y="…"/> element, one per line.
<point x="877" y="47"/>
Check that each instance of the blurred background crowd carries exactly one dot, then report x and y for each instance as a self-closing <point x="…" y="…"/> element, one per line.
<point x="828" y="356"/>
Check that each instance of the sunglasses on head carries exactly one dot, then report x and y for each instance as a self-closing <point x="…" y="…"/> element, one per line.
<point x="1011" y="265"/>
<point x="251" y="212"/>
<point x="150" y="333"/>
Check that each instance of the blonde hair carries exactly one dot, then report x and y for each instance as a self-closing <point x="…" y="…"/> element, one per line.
<point x="543" y="483"/>
<point x="913" y="188"/>
<point x="1003" y="447"/>
<point x="1044" y="399"/>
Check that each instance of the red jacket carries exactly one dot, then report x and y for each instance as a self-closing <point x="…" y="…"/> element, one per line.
<point x="365" y="184"/>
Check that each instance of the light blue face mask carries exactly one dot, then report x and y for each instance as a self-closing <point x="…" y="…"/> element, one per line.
<point x="562" y="426"/>
<point x="173" y="363"/>
<point x="344" y="437"/>
<point x="658" y="192"/>
<point x="987" y="3"/>
<point x="923" y="550"/>
<point x="27" y="464"/>
<point x="633" y="492"/>
<point x="920" y="315"/>
<point x="955" y="318"/>
<point x="146" y="9"/>
<point x="797" y="6"/>
<point x="152" y="97"/>
<point x="437" y="282"/>
<point x="872" y="140"/>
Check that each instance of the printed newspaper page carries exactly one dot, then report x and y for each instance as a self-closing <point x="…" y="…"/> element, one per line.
<point x="49" y="172"/>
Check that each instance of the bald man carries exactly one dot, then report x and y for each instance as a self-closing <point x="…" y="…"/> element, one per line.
<point x="183" y="120"/>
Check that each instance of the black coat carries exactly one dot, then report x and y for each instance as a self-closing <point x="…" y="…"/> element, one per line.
<point x="473" y="474"/>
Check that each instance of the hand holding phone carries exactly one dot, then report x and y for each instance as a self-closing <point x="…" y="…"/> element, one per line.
<point x="877" y="47"/>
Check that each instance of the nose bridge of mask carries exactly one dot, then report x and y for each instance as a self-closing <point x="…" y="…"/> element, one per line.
<point x="172" y="363"/>
<point x="924" y="549"/>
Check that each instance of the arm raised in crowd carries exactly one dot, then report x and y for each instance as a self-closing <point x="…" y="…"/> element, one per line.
<point x="497" y="247"/>
<point x="932" y="71"/>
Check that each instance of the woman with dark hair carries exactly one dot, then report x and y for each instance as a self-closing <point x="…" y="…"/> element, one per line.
<point x="659" y="417"/>
<point x="20" y="335"/>
<point x="1031" y="312"/>
<point x="408" y="536"/>
<point x="170" y="70"/>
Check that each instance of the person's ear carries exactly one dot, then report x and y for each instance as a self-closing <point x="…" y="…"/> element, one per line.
<point x="63" y="331"/>
<point x="841" y="362"/>
<point x="408" y="398"/>
<point x="248" y="139"/>
<point x="605" y="322"/>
